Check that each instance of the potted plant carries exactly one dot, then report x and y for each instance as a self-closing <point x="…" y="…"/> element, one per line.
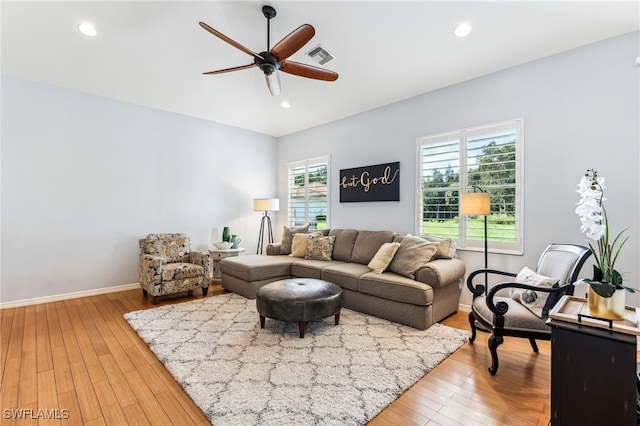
<point x="606" y="298"/>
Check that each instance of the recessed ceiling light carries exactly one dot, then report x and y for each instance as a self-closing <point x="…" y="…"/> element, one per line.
<point x="285" y="104"/>
<point x="462" y="30"/>
<point x="87" y="29"/>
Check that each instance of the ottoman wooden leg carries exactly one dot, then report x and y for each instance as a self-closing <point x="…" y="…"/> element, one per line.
<point x="301" y="326"/>
<point x="338" y="318"/>
<point x="261" y="321"/>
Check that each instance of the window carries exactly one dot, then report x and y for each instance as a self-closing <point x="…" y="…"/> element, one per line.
<point x="481" y="158"/>
<point x="308" y="193"/>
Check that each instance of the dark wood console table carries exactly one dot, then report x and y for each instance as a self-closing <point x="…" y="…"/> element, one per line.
<point x="593" y="367"/>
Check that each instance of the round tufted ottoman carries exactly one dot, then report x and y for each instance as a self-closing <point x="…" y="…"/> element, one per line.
<point x="299" y="299"/>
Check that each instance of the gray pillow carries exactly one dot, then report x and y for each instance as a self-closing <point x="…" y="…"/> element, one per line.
<point x="287" y="237"/>
<point x="413" y="253"/>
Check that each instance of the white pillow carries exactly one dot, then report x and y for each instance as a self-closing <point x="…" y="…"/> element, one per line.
<point x="383" y="257"/>
<point x="530" y="299"/>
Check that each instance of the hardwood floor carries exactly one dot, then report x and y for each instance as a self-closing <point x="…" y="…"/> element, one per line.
<point x="80" y="362"/>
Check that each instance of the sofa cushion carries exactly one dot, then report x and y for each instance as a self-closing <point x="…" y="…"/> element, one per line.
<point x="383" y="257"/>
<point x="180" y="271"/>
<point x="287" y="237"/>
<point x="343" y="246"/>
<point x="256" y="267"/>
<point x="367" y="245"/>
<point x="320" y="248"/>
<point x="395" y="287"/>
<point x="413" y="253"/>
<point x="304" y="268"/>
<point x="345" y="274"/>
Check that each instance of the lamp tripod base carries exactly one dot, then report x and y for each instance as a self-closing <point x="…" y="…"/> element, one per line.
<point x="265" y="219"/>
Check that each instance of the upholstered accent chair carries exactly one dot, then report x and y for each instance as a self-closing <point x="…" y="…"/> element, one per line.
<point x="531" y="295"/>
<point x="167" y="266"/>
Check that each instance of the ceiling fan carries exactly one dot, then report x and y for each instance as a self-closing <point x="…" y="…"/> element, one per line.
<point x="274" y="59"/>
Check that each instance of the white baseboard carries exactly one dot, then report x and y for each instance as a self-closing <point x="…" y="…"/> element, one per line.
<point x="67" y="296"/>
<point x="464" y="308"/>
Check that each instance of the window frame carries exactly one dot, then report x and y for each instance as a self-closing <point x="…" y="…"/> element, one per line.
<point x="307" y="164"/>
<point x="463" y="136"/>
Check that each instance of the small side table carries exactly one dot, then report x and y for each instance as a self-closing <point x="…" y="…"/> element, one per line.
<point x="593" y="366"/>
<point x="216" y="256"/>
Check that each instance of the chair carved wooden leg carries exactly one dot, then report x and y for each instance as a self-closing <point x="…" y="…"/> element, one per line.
<point x="494" y="342"/>
<point x="472" y="323"/>
<point x="534" y="345"/>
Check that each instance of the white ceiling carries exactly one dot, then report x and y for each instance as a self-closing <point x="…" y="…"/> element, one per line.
<point x="153" y="53"/>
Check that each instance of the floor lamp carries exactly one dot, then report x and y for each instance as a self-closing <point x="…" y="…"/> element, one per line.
<point x="265" y="205"/>
<point x="476" y="204"/>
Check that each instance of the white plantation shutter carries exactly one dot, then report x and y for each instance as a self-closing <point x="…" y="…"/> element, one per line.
<point x="486" y="157"/>
<point x="308" y="193"/>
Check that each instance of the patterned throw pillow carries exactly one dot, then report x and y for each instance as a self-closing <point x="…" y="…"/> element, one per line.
<point x="413" y="253"/>
<point x="300" y="243"/>
<point x="383" y="257"/>
<point x="533" y="300"/>
<point x="287" y="237"/>
<point x="320" y="248"/>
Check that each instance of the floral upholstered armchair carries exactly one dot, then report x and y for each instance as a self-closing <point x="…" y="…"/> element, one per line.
<point x="167" y="266"/>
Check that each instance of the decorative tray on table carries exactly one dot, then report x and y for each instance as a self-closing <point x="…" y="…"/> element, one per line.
<point x="575" y="309"/>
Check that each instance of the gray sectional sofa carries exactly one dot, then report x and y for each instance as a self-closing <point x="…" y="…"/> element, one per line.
<point x="430" y="295"/>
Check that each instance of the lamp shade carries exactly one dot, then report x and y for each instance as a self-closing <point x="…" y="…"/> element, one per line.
<point x="266" y="204"/>
<point x="475" y="203"/>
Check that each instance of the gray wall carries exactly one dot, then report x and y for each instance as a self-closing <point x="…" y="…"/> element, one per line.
<point x="83" y="177"/>
<point x="581" y="110"/>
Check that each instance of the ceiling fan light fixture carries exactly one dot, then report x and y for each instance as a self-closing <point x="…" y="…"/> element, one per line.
<point x="273" y="83"/>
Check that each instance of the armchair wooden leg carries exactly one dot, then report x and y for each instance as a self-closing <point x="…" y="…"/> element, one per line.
<point x="144" y="292"/>
<point x="534" y="345"/>
<point x="205" y="290"/>
<point x="472" y="323"/>
<point x="155" y="299"/>
<point x="494" y="342"/>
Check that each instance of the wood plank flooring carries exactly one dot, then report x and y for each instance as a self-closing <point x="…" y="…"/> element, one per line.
<point x="79" y="362"/>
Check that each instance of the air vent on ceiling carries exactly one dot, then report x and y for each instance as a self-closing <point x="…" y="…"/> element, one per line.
<point x="320" y="55"/>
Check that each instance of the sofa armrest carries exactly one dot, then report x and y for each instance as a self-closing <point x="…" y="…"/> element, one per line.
<point x="200" y="258"/>
<point x="441" y="272"/>
<point x="273" y="249"/>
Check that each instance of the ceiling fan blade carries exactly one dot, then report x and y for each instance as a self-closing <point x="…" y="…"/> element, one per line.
<point x="242" y="67"/>
<point x="293" y="42"/>
<point x="308" y="71"/>
<point x="230" y="41"/>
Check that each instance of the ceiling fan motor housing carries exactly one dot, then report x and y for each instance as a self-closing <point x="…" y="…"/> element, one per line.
<point x="268" y="64"/>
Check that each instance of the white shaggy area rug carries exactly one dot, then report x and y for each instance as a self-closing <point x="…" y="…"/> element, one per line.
<point x="240" y="374"/>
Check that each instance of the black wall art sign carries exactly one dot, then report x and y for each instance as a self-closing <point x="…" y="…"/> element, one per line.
<point x="380" y="182"/>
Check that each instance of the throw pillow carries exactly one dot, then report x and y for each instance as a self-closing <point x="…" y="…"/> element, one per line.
<point x="299" y="244"/>
<point x="446" y="249"/>
<point x="383" y="257"/>
<point x="533" y="300"/>
<point x="412" y="254"/>
<point x="320" y="248"/>
<point x="287" y="237"/>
